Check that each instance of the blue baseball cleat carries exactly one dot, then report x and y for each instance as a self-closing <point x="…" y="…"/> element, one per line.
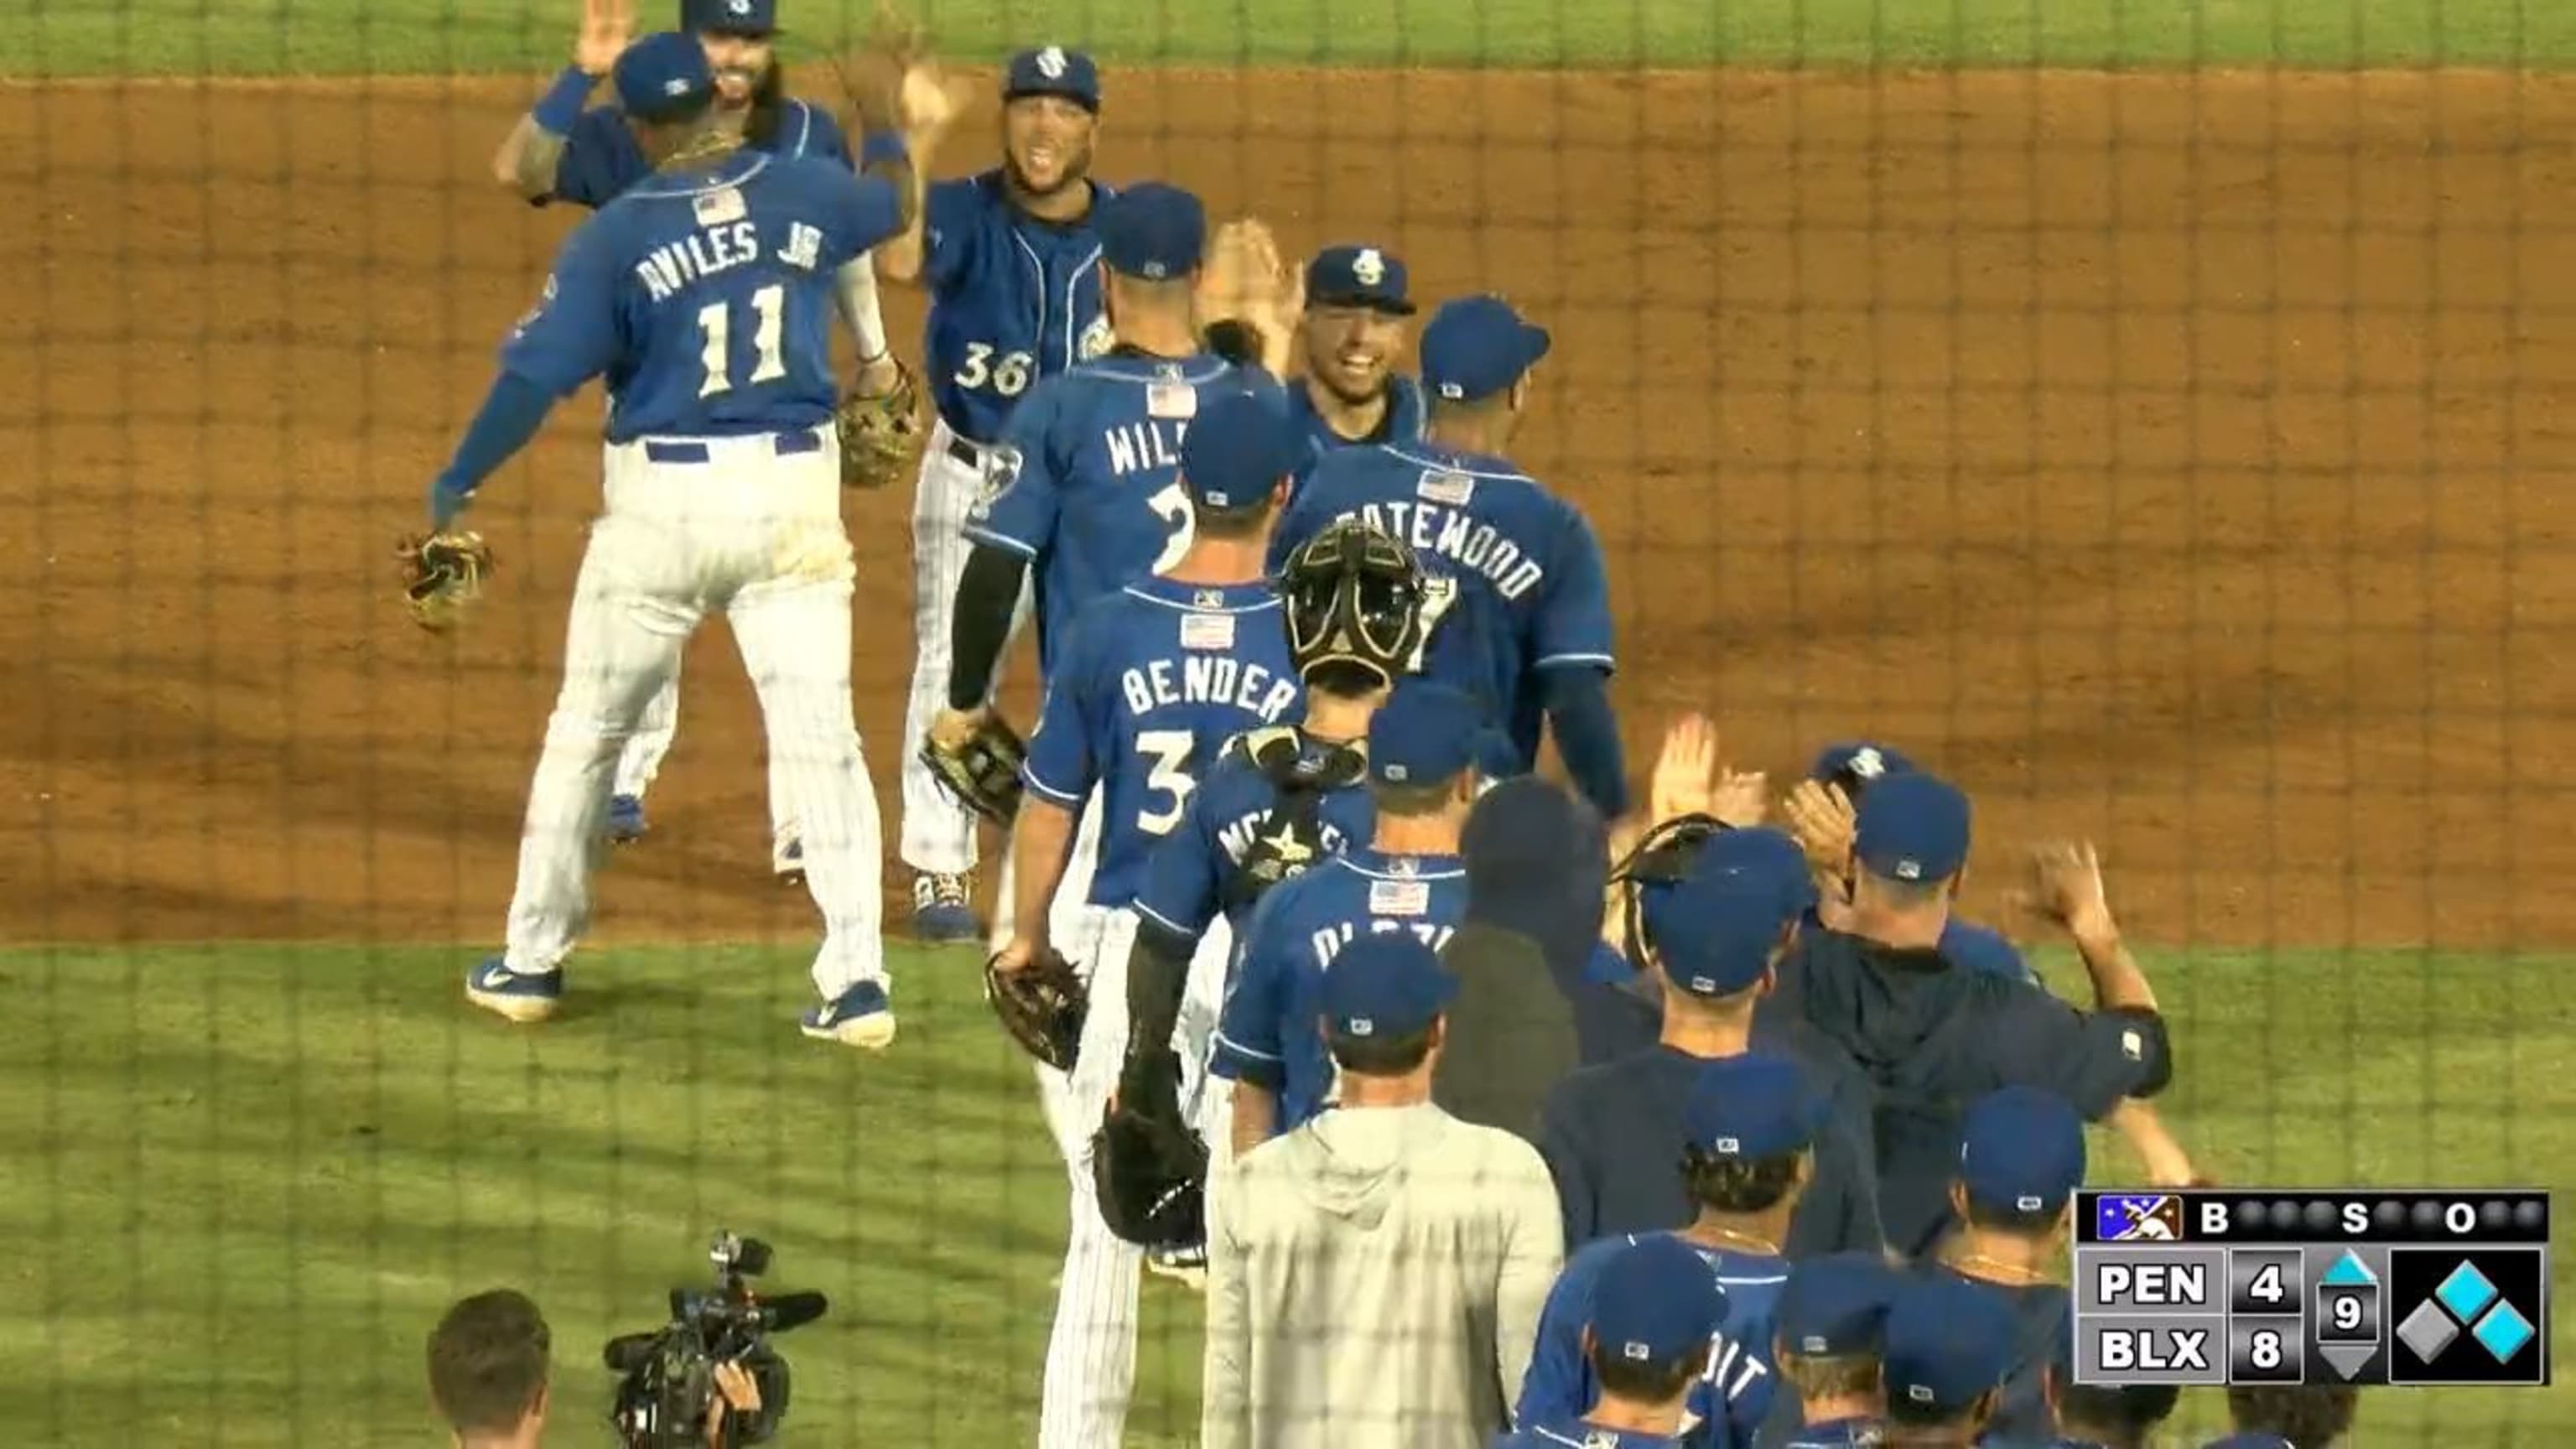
<point x="520" y="996"/>
<point x="943" y="913"/>
<point x="859" y="1017"/>
<point x="626" y="819"/>
<point x="787" y="861"/>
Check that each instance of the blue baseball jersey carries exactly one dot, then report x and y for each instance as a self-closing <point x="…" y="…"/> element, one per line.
<point x="1086" y="482"/>
<point x="600" y="158"/>
<point x="1838" y="1434"/>
<point x="1736" y="1391"/>
<point x="1013" y="299"/>
<point x="1267" y="1033"/>
<point x="1401" y="424"/>
<point x="705" y="297"/>
<point x="1532" y="591"/>
<point x="1153" y="681"/>
<point x="1192" y="872"/>
<point x="1574" y="1433"/>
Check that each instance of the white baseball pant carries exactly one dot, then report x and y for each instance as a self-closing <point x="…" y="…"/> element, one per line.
<point x="641" y="761"/>
<point x="737" y="526"/>
<point x="1091" y="1351"/>
<point x="938" y="833"/>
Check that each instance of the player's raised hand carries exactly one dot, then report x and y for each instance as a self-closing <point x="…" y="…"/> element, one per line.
<point x="2066" y="887"/>
<point x="1685" y="778"/>
<point x="607" y="26"/>
<point x="1820" y="815"/>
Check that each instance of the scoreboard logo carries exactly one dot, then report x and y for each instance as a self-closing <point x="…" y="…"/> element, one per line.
<point x="2138" y="1218"/>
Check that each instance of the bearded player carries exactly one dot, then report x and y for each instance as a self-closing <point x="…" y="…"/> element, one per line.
<point x="1351" y="332"/>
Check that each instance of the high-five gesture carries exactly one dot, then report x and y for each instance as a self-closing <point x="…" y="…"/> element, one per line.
<point x="607" y="26"/>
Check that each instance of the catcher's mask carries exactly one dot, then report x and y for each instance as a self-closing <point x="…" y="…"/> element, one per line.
<point x="1357" y="596"/>
<point x="1658" y="861"/>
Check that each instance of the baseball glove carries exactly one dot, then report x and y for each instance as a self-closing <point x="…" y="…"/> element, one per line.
<point x="1148" y="1168"/>
<point x="442" y="573"/>
<point x="983" y="770"/>
<point x="1041" y="1005"/>
<point x="1245" y="288"/>
<point x="881" y="435"/>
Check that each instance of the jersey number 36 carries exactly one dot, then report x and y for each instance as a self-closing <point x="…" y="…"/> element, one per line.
<point x="1009" y="373"/>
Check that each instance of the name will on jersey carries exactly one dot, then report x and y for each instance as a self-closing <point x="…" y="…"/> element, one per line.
<point x="1208" y="679"/>
<point x="1476" y="546"/>
<point x="1134" y="446"/>
<point x="673" y="267"/>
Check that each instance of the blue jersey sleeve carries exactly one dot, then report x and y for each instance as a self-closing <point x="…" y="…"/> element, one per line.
<point x="1019" y="515"/>
<point x="1182" y="880"/>
<point x="1247" y="1047"/>
<point x="1559" y="1385"/>
<point x="1062" y="764"/>
<point x="572" y="335"/>
<point x="862" y="211"/>
<point x="817" y="135"/>
<point x="951" y="212"/>
<point x="599" y="160"/>
<point x="1573" y="624"/>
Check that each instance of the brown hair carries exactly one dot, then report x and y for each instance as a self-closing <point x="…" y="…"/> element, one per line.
<point x="2311" y="1416"/>
<point x="488" y="1361"/>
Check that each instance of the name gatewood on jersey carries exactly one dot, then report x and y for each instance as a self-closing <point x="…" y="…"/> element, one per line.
<point x="1204" y="680"/>
<point x="1473" y="544"/>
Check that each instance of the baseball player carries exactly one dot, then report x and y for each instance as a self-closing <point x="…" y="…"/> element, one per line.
<point x="1850" y="768"/>
<point x="1150" y="684"/>
<point x="1085" y="487"/>
<point x="1012" y="265"/>
<point x="1827" y="1331"/>
<point x="1933" y="1038"/>
<point x="2021" y="1158"/>
<point x="1422" y="747"/>
<point x="1749" y="1151"/>
<point x="559" y="151"/>
<point x="1351" y="331"/>
<point x="1949" y="1345"/>
<point x="703" y="294"/>
<point x="2093" y="1416"/>
<point x="1530" y="637"/>
<point x="1656" y="1317"/>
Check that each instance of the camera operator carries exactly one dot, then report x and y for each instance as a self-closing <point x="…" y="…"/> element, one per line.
<point x="491" y="1367"/>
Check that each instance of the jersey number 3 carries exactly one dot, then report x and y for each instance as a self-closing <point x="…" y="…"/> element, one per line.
<point x="1168" y="778"/>
<point x="715" y="325"/>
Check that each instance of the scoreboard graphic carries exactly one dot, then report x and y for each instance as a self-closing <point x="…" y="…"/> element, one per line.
<point x="2246" y="1286"/>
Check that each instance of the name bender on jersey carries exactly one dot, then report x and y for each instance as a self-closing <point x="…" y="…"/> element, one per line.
<point x="1455" y="536"/>
<point x="1205" y="679"/>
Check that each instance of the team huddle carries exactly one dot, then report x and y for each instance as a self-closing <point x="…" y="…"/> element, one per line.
<point x="1783" y="1155"/>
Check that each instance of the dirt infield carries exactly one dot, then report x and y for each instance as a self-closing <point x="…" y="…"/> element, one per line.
<point x="2177" y="460"/>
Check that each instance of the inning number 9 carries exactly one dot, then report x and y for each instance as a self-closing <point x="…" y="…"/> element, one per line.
<point x="2266" y="1352"/>
<point x="1008" y="372"/>
<point x="2347" y="1312"/>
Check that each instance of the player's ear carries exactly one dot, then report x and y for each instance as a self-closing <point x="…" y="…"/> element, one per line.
<point x="1983" y="1410"/>
<point x="1959" y="1199"/>
<point x="1520" y="392"/>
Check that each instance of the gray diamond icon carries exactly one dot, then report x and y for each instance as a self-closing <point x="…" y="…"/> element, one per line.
<point x="2427" y="1330"/>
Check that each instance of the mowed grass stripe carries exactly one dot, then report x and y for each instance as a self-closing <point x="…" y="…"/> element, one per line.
<point x="301" y="1154"/>
<point x="357" y="37"/>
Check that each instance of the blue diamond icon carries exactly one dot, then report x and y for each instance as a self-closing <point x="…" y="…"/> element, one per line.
<point x="2466" y="1292"/>
<point x="2503" y="1332"/>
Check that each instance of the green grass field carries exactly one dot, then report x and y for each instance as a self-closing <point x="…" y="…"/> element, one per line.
<point x="246" y="1179"/>
<point x="112" y="37"/>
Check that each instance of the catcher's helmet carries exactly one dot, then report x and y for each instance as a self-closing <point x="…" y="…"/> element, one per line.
<point x="1357" y="597"/>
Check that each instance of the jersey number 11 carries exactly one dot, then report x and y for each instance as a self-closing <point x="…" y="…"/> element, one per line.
<point x="715" y="323"/>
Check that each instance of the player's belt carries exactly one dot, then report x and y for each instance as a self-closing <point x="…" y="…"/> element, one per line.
<point x="970" y="454"/>
<point x="787" y="444"/>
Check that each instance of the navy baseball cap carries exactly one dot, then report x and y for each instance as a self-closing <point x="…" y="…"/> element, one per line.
<point x="1425" y="733"/>
<point x="1153" y="231"/>
<point x="1835" y="1304"/>
<point x="1912" y="827"/>
<point x="730" y="17"/>
<point x="1856" y="765"/>
<point x="1949" y="1341"/>
<point x="1052" y="70"/>
<point x="1750" y="1106"/>
<point x="1357" y="276"/>
<point x="1713" y="931"/>
<point x="1385" y="984"/>
<point x="1656" y="1303"/>
<point x="664" y="74"/>
<point x="2022" y="1150"/>
<point x="1236" y="451"/>
<point x="1475" y="347"/>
